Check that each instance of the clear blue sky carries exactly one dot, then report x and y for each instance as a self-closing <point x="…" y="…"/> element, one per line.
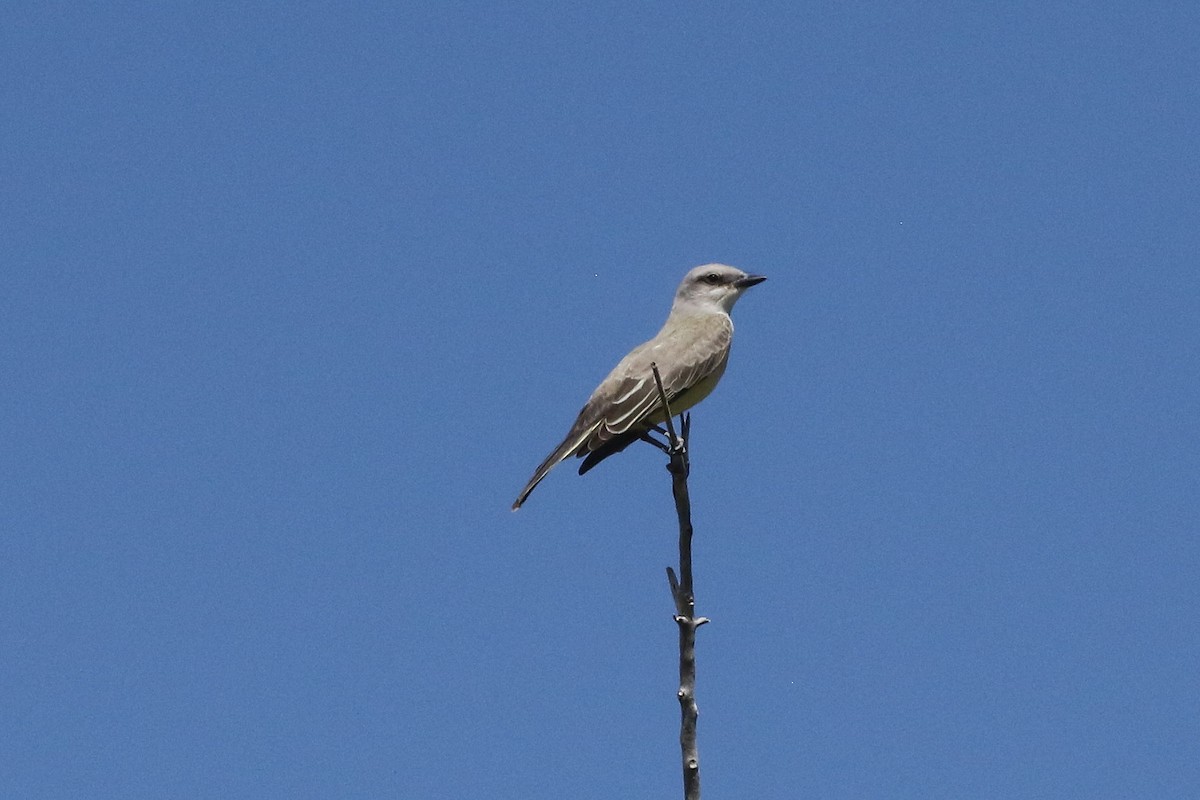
<point x="294" y="298"/>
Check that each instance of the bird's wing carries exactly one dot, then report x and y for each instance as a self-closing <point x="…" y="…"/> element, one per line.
<point x="686" y="351"/>
<point x="625" y="403"/>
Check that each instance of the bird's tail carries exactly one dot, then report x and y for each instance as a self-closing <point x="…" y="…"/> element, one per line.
<point x="542" y="471"/>
<point x="569" y="447"/>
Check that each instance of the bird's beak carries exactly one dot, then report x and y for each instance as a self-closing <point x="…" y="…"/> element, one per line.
<point x="749" y="280"/>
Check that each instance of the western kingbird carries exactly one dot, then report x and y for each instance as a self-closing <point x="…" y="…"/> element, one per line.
<point x="691" y="351"/>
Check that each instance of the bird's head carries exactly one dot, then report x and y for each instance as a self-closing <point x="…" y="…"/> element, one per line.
<point x="714" y="285"/>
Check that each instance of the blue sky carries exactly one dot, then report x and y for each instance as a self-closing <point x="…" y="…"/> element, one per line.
<point x="295" y="298"/>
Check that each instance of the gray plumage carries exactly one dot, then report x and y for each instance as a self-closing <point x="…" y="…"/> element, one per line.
<point x="691" y="352"/>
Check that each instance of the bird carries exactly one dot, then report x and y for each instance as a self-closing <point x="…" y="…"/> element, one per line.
<point x="691" y="352"/>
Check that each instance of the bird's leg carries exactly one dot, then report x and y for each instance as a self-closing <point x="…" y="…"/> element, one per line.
<point x="646" y="437"/>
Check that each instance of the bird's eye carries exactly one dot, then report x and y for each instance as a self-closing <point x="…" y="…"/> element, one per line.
<point x="712" y="279"/>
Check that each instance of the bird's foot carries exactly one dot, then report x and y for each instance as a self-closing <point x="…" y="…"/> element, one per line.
<point x="664" y="446"/>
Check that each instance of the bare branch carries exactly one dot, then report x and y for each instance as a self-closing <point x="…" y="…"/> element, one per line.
<point x="682" y="594"/>
<point x="666" y="407"/>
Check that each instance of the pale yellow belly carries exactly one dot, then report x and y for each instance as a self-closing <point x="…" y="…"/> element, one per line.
<point x="690" y="397"/>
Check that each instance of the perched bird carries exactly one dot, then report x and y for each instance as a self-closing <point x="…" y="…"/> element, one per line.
<point x="691" y="351"/>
